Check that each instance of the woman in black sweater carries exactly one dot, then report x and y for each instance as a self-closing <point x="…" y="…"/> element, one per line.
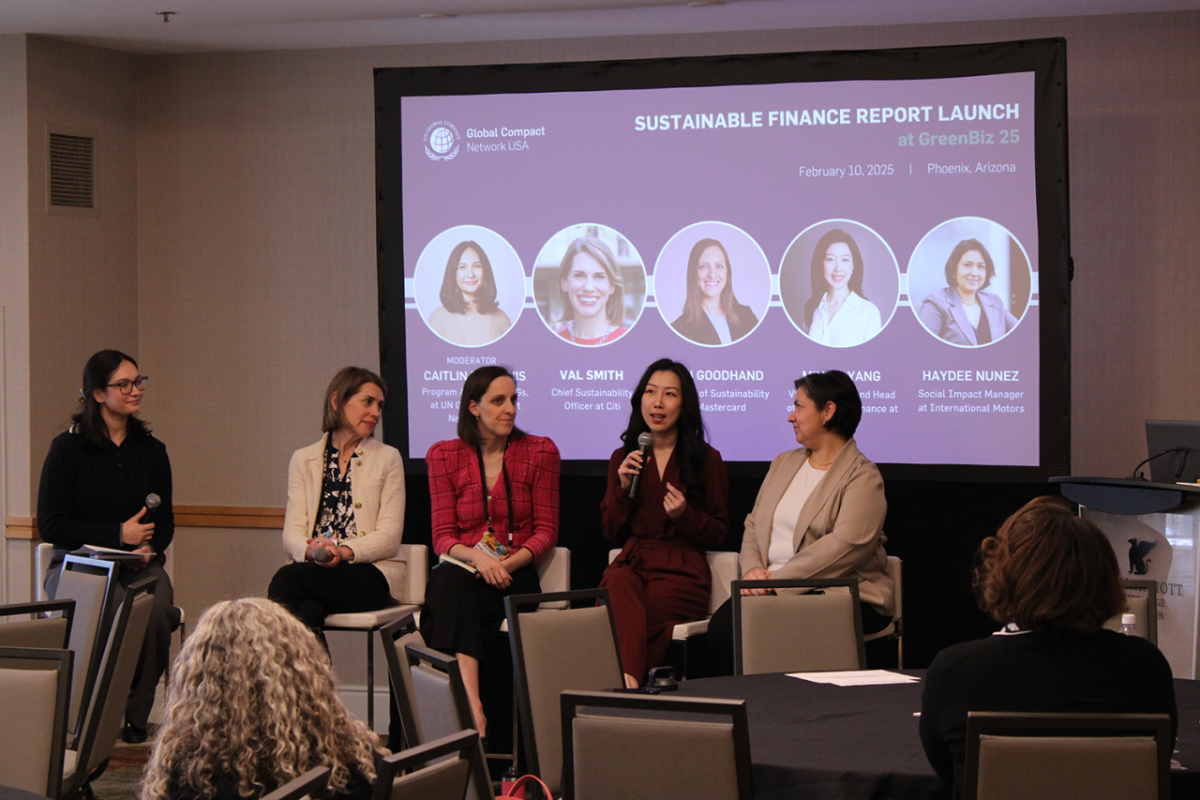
<point x="1051" y="578"/>
<point x="95" y="483"/>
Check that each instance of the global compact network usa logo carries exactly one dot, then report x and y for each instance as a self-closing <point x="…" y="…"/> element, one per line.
<point x="441" y="141"/>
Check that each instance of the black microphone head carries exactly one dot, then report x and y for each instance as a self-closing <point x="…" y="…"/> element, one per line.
<point x="153" y="501"/>
<point x="321" y="555"/>
<point x="645" y="439"/>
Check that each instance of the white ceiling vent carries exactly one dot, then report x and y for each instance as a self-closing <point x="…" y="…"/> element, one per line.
<point x="71" y="172"/>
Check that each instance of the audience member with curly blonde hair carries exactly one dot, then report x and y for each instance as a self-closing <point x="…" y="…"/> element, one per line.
<point x="251" y="706"/>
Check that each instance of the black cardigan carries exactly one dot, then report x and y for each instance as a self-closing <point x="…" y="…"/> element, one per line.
<point x="87" y="492"/>
<point x="1102" y="672"/>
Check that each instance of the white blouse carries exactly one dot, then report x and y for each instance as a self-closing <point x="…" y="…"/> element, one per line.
<point x="855" y="322"/>
<point x="783" y="523"/>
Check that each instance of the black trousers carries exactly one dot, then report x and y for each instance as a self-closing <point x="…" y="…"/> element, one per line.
<point x="720" y="633"/>
<point x="312" y="592"/>
<point x="462" y="612"/>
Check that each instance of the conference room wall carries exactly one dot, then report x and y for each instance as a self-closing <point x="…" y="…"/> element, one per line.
<point x="14" y="309"/>
<point x="257" y="265"/>
<point x="83" y="270"/>
<point x="256" y="223"/>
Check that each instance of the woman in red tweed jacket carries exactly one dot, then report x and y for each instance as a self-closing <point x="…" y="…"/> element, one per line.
<point x="495" y="513"/>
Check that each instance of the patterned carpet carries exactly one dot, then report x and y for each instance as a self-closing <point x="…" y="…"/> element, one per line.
<point x="120" y="780"/>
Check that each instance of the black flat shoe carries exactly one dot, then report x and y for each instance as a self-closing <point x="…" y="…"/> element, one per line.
<point x="132" y="734"/>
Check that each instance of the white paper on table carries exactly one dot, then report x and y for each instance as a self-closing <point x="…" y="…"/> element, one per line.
<point x="856" y="677"/>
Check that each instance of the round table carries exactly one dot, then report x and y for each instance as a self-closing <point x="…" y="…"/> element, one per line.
<point x="819" y="741"/>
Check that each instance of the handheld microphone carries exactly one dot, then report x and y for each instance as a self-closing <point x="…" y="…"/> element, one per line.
<point x="644" y="441"/>
<point x="322" y="555"/>
<point x="153" y="501"/>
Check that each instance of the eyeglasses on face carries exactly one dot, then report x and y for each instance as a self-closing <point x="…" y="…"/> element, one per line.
<point x="126" y="387"/>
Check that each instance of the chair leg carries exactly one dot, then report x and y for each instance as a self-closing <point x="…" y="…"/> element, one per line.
<point x="371" y="680"/>
<point x="684" y="671"/>
<point x="900" y="652"/>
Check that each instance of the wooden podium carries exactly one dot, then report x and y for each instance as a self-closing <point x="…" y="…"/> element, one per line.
<point x="1153" y="528"/>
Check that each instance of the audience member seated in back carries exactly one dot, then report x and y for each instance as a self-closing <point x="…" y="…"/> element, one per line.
<point x="252" y="705"/>
<point x="345" y="510"/>
<point x="1051" y="578"/>
<point x="819" y="513"/>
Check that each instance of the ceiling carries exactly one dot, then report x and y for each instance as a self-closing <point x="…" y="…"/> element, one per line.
<point x="223" y="25"/>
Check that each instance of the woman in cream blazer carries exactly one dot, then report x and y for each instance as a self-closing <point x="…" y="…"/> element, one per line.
<point x="819" y="512"/>
<point x="346" y="498"/>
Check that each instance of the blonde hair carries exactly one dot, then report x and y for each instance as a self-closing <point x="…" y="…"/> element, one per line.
<point x="252" y="698"/>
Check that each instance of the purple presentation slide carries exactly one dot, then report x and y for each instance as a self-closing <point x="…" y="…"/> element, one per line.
<point x="755" y="233"/>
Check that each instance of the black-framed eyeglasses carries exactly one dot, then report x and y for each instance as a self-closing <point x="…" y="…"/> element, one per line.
<point x="126" y="387"/>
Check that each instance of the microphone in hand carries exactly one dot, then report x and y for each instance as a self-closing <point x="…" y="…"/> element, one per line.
<point x="321" y="555"/>
<point x="153" y="501"/>
<point x="644" y="441"/>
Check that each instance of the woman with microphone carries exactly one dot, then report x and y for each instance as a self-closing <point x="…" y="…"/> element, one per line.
<point x="99" y="481"/>
<point x="345" y="510"/>
<point x="678" y="508"/>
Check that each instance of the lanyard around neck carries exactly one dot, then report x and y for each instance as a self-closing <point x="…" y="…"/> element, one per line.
<point x="487" y="513"/>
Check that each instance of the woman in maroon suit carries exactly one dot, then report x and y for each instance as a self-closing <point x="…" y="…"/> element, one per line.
<point x="495" y="512"/>
<point x="661" y="575"/>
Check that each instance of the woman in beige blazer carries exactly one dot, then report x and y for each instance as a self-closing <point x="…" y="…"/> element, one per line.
<point x="819" y="512"/>
<point x="345" y="510"/>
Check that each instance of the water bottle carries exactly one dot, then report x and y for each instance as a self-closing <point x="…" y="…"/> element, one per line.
<point x="1129" y="625"/>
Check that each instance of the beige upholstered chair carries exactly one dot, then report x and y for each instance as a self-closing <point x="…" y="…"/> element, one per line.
<point x="91" y="583"/>
<point x="311" y="784"/>
<point x="417" y="558"/>
<point x="1143" y="599"/>
<point x="43" y="631"/>
<point x="105" y="714"/>
<point x="443" y="707"/>
<point x="894" y="629"/>
<point x="1068" y="756"/>
<point x="723" y="565"/>
<point x="571" y="649"/>
<point x="35" y="688"/>
<point x="396" y="636"/>
<point x="410" y="773"/>
<point x="625" y="745"/>
<point x="797" y="632"/>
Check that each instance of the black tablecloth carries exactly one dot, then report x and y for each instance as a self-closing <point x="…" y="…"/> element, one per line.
<point x="819" y="741"/>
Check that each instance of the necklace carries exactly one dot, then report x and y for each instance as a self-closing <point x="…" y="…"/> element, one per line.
<point x="602" y="339"/>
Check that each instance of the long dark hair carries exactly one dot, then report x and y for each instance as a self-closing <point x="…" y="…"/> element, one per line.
<point x="819" y="287"/>
<point x="473" y="389"/>
<point x="693" y="307"/>
<point x="96" y="374"/>
<point x="690" y="445"/>
<point x="452" y="296"/>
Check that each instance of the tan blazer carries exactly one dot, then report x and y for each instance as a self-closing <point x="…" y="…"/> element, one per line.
<point x="839" y="533"/>
<point x="377" y="486"/>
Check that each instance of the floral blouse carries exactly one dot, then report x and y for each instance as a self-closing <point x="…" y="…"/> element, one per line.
<point x="335" y="518"/>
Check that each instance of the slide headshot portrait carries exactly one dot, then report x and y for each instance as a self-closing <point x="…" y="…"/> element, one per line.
<point x="589" y="284"/>
<point x="969" y="281"/>
<point x="696" y="289"/>
<point x="470" y="285"/>
<point x="839" y="283"/>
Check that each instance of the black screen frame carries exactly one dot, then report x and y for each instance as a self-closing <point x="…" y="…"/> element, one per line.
<point x="1046" y="58"/>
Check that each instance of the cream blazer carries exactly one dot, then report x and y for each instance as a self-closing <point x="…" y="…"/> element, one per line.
<point x="377" y="486"/>
<point x="839" y="533"/>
